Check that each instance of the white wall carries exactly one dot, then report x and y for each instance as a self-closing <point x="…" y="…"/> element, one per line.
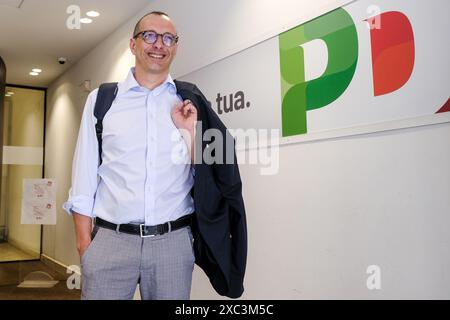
<point x="336" y="207"/>
<point x="340" y="205"/>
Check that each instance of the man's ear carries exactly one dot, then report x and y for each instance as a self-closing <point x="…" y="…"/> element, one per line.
<point x="133" y="46"/>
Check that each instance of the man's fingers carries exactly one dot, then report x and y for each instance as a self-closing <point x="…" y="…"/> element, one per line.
<point x="188" y="107"/>
<point x="185" y="107"/>
<point x="179" y="105"/>
<point x="186" y="103"/>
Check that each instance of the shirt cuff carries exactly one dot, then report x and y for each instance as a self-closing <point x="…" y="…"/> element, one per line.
<point x="79" y="204"/>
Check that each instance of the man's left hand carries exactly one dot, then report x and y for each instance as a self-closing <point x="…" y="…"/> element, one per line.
<point x="184" y="116"/>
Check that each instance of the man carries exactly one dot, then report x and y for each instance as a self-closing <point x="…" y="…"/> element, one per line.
<point x="142" y="193"/>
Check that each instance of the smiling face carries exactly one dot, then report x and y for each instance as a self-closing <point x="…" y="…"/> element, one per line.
<point x="154" y="58"/>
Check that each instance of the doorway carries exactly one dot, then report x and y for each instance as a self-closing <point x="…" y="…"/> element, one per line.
<point x="23" y="158"/>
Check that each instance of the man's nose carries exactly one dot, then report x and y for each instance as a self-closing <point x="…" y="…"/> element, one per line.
<point x="159" y="42"/>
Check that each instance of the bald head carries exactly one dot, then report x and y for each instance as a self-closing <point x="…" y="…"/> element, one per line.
<point x="137" y="28"/>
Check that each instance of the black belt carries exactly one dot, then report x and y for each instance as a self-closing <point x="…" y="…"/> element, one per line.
<point x="146" y="231"/>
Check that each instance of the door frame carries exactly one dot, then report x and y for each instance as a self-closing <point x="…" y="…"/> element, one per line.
<point x="43" y="155"/>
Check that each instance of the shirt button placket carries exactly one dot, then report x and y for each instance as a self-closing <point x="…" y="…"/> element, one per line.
<point x="151" y="147"/>
<point x="147" y="187"/>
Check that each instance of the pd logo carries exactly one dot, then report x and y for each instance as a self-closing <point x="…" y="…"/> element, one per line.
<point x="318" y="61"/>
<point x="392" y="52"/>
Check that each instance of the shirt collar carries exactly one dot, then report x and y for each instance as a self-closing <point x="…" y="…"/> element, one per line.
<point x="130" y="83"/>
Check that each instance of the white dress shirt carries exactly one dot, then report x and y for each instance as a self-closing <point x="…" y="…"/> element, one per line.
<point x="146" y="174"/>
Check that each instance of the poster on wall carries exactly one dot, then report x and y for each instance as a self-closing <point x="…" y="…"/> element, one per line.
<point x="39" y="201"/>
<point x="369" y="62"/>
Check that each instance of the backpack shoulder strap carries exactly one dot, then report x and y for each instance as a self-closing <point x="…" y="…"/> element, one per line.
<point x="105" y="97"/>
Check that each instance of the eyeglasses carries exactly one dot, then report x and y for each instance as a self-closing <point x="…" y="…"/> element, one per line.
<point x="150" y="37"/>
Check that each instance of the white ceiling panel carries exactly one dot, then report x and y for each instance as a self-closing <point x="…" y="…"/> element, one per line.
<point x="36" y="34"/>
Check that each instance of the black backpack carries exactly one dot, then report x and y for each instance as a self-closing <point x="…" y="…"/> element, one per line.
<point x="105" y="97"/>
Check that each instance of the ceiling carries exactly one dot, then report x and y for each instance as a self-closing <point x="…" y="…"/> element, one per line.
<point x="33" y="34"/>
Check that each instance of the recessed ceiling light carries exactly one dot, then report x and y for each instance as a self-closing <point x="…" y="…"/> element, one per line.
<point x="93" y="14"/>
<point x="85" y="20"/>
<point x="37" y="70"/>
<point x="10" y="93"/>
<point x="7" y="95"/>
<point x="34" y="73"/>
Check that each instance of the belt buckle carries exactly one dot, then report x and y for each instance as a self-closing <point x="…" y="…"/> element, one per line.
<point x="142" y="232"/>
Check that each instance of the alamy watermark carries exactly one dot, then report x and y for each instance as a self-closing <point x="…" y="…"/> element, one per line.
<point x="74" y="19"/>
<point x="212" y="146"/>
<point x="373" y="282"/>
<point x="375" y="13"/>
<point x="74" y="280"/>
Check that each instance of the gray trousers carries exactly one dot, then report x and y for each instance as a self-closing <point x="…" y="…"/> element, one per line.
<point x="114" y="263"/>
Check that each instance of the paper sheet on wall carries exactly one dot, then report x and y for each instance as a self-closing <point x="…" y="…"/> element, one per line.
<point x="39" y="201"/>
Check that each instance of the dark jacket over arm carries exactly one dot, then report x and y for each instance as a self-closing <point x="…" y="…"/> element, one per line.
<point x="220" y="229"/>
